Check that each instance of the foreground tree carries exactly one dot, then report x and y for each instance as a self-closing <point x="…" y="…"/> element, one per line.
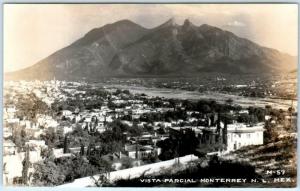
<point x="26" y="164"/>
<point x="46" y="173"/>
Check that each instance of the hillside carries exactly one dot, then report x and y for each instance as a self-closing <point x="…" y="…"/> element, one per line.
<point x="251" y="162"/>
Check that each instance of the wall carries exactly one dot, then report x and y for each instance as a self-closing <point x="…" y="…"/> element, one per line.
<point x="131" y="173"/>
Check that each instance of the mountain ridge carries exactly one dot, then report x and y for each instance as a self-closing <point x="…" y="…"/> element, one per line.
<point x="125" y="48"/>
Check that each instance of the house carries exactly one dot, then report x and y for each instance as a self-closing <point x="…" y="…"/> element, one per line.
<point x="158" y="124"/>
<point x="244" y="111"/>
<point x="9" y="148"/>
<point x="13" y="120"/>
<point x="268" y="117"/>
<point x="67" y="129"/>
<point x="66" y="113"/>
<point x="36" y="144"/>
<point x="139" y="151"/>
<point x="12" y="166"/>
<point x="46" y="121"/>
<point x="59" y="153"/>
<point x="34" y="132"/>
<point x="239" y="135"/>
<point x="7" y="132"/>
<point x="10" y="111"/>
<point x="100" y="127"/>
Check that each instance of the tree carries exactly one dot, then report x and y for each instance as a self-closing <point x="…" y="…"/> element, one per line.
<point x="26" y="164"/>
<point x="126" y="162"/>
<point x="30" y="105"/>
<point x="46" y="173"/>
<point x="118" y="91"/>
<point x="151" y="158"/>
<point x="79" y="136"/>
<point x="172" y="103"/>
<point x="126" y="92"/>
<point x="268" y="109"/>
<point x="161" y="131"/>
<point x="135" y="131"/>
<point x="82" y="168"/>
<point x="270" y="134"/>
<point x="243" y="118"/>
<point x="81" y="150"/>
<point x="50" y="137"/>
<point x="189" y="106"/>
<point x="88" y="152"/>
<point x="19" y="137"/>
<point x="101" y="181"/>
<point x="111" y="105"/>
<point x="96" y="160"/>
<point x="149" y="128"/>
<point x="229" y="101"/>
<point x="66" y="144"/>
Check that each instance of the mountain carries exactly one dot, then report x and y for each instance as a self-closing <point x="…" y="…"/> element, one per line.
<point x="125" y="48"/>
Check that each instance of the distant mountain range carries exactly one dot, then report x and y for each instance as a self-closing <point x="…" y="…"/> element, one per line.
<point x="126" y="49"/>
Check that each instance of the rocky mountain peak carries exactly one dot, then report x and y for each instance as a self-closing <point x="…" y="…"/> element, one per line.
<point x="125" y="48"/>
<point x="187" y="23"/>
<point x="169" y="23"/>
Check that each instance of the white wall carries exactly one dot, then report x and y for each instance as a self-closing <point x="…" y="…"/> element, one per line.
<point x="243" y="139"/>
<point x="131" y="173"/>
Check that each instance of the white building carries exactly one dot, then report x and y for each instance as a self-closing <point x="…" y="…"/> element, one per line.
<point x="239" y="135"/>
<point x="66" y="113"/>
<point x="36" y="144"/>
<point x="67" y="129"/>
<point x="9" y="148"/>
<point x="140" y="151"/>
<point x="12" y="166"/>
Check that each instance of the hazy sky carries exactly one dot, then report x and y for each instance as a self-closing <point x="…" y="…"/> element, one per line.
<point x="32" y="32"/>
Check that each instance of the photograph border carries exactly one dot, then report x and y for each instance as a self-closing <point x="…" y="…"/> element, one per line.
<point x="137" y="2"/>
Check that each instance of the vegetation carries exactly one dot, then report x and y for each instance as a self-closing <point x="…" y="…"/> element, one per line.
<point x="29" y="106"/>
<point x="51" y="172"/>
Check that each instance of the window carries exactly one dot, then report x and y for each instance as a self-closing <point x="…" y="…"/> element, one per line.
<point x="17" y="180"/>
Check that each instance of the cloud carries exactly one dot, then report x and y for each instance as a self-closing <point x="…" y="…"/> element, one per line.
<point x="236" y="24"/>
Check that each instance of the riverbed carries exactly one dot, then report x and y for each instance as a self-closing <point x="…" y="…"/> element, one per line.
<point x="195" y="95"/>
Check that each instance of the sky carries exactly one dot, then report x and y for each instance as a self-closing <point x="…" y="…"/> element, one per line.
<point x="34" y="31"/>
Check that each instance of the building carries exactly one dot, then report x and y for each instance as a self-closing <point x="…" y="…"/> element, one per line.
<point x="239" y="135"/>
<point x="13" y="166"/>
<point x="222" y="138"/>
<point x="140" y="151"/>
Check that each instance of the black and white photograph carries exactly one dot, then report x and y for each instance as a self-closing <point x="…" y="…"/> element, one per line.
<point x="150" y="95"/>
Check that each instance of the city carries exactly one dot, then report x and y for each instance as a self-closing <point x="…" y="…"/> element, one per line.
<point x="77" y="129"/>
